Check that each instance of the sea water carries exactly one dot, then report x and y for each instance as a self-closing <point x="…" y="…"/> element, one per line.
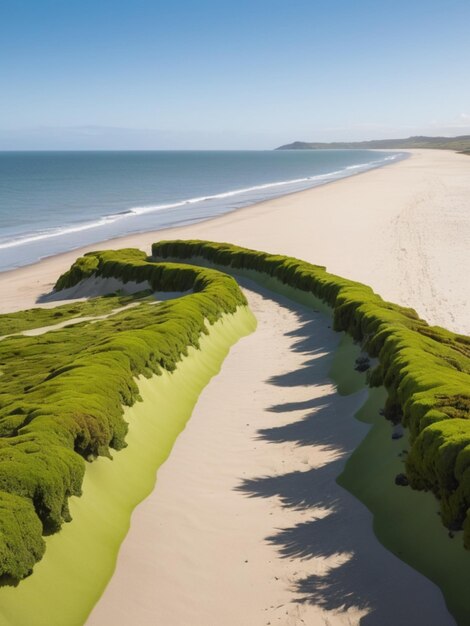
<point x="51" y="202"/>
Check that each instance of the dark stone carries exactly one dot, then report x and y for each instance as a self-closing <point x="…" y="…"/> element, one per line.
<point x="401" y="480"/>
<point x="398" y="431"/>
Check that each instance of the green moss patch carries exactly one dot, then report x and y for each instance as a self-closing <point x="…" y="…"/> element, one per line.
<point x="425" y="369"/>
<point x="63" y="392"/>
<point x="29" y="319"/>
<point x="81" y="558"/>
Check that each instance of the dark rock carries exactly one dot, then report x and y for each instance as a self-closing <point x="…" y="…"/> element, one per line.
<point x="397" y="431"/>
<point x="401" y="480"/>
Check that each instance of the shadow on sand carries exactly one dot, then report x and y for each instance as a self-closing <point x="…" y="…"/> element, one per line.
<point x="339" y="525"/>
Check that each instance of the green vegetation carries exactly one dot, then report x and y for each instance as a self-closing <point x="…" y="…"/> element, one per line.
<point x="405" y="521"/>
<point x="39" y="317"/>
<point x="62" y="393"/>
<point x="461" y="143"/>
<point x="425" y="369"/>
<point x="81" y="558"/>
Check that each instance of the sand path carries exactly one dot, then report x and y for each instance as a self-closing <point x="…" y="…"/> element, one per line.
<point x="246" y="525"/>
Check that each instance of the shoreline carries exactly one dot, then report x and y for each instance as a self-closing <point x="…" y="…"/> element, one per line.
<point x="107" y="243"/>
<point x="345" y="173"/>
<point x="410" y="247"/>
<point x="402" y="230"/>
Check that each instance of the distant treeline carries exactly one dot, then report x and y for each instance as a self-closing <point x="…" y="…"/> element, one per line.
<point x="425" y="369"/>
<point x="62" y="393"/>
<point x="461" y="144"/>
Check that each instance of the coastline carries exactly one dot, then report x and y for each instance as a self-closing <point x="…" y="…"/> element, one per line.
<point x="320" y="226"/>
<point x="402" y="229"/>
<point x="165" y="201"/>
<point x="114" y="241"/>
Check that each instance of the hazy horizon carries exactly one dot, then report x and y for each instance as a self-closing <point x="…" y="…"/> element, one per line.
<point x="123" y="139"/>
<point x="147" y="75"/>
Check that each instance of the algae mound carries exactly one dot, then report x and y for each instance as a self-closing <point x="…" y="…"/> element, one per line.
<point x="63" y="392"/>
<point x="425" y="369"/>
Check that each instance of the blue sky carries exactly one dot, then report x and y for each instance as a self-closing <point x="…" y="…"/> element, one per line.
<point x="236" y="74"/>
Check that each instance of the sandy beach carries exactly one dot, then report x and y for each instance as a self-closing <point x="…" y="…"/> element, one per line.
<point x="403" y="229"/>
<point x="246" y="524"/>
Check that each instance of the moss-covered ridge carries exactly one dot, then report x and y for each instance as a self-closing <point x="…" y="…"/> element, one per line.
<point x="425" y="369"/>
<point x="80" y="560"/>
<point x="62" y="392"/>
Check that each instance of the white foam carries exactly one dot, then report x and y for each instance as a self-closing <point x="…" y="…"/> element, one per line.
<point x="143" y="210"/>
<point x="56" y="232"/>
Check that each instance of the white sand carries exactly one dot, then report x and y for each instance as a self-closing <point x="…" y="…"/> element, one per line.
<point x="200" y="551"/>
<point x="246" y="524"/>
<point x="402" y="229"/>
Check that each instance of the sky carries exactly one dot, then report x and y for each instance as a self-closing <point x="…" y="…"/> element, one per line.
<point x="226" y="74"/>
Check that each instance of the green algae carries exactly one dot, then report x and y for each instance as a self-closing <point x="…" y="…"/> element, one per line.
<point x="406" y="521"/>
<point x="63" y="392"/>
<point x="425" y="369"/>
<point x="39" y="317"/>
<point x="347" y="379"/>
<point x="80" y="559"/>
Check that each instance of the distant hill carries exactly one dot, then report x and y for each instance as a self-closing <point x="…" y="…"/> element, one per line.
<point x="462" y="144"/>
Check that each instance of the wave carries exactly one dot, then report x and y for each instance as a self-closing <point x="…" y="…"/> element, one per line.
<point x="56" y="232"/>
<point x="371" y="164"/>
<point x="106" y="220"/>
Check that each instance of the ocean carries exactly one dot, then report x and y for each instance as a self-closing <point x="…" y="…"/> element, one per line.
<point x="51" y="202"/>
